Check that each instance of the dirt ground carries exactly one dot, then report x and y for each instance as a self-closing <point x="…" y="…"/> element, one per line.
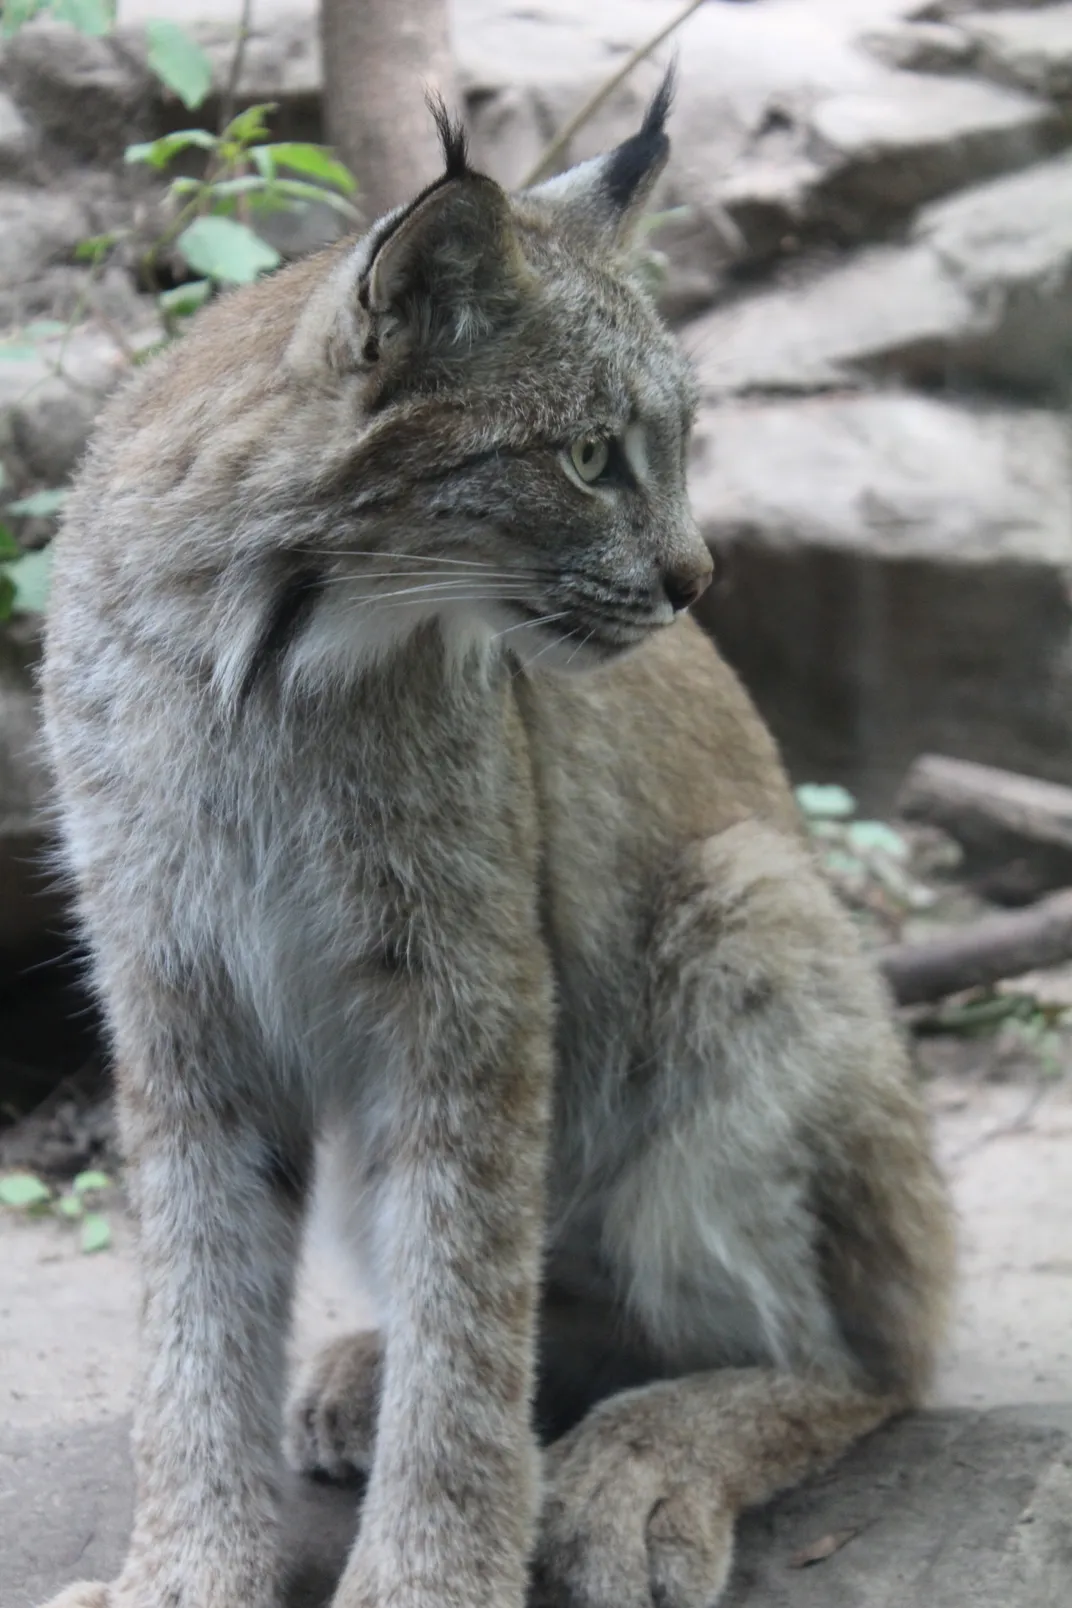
<point x="67" y="1320"/>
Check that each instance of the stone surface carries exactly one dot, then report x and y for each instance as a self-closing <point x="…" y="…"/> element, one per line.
<point x="895" y="578"/>
<point x="50" y="399"/>
<point x="1007" y="245"/>
<point x="958" y="1510"/>
<point x="89" y="97"/>
<point x="16" y="136"/>
<point x="38" y="228"/>
<point x="923" y="47"/>
<point x="886" y="308"/>
<point x="1030" y="48"/>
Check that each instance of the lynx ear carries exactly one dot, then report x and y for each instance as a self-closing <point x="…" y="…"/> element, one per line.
<point x="601" y="201"/>
<point x="447" y="267"/>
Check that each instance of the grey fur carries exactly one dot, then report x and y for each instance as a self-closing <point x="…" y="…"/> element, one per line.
<point x="358" y="854"/>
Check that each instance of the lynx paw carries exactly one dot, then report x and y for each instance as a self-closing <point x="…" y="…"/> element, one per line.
<point x="331" y="1421"/>
<point x="83" y="1595"/>
<point x="625" y="1525"/>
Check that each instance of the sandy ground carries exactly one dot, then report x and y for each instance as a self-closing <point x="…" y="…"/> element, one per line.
<point x="67" y="1320"/>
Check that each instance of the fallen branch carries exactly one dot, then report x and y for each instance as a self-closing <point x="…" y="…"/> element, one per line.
<point x="1015" y="831"/>
<point x="986" y="952"/>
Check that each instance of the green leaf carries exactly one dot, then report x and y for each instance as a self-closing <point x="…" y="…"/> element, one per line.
<point x="221" y="249"/>
<point x="94" y="247"/>
<point x="22" y="1191"/>
<point x="299" y="190"/>
<point x="16" y="12"/>
<point x="9" y="547"/>
<point x="250" y="125"/>
<point x="179" y="62"/>
<point x="87" y="1181"/>
<point x="830" y="803"/>
<point x="158" y="153"/>
<point x="244" y="185"/>
<point x="42" y="329"/>
<point x="16" y="352"/>
<point x="30" y="574"/>
<point x="184" y="300"/>
<point x="93" y="17"/>
<point x="68" y="1206"/>
<point x="39" y="504"/>
<point x="865" y="836"/>
<point x="314" y="161"/>
<point x="7" y="596"/>
<point x="96" y="1233"/>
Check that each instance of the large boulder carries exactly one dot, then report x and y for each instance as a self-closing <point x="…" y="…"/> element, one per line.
<point x="894" y="576"/>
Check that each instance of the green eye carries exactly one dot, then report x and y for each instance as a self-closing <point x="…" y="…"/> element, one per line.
<point x="589" y="456"/>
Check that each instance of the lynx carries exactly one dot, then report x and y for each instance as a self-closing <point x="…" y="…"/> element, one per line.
<point x="619" y="1129"/>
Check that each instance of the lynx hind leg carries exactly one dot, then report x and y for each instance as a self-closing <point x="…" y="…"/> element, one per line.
<point x="789" y="1153"/>
<point x="331" y="1419"/>
<point x="642" y="1497"/>
<point x="784" y="1210"/>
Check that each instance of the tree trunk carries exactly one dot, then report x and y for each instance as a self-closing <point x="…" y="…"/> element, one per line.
<point x="380" y="59"/>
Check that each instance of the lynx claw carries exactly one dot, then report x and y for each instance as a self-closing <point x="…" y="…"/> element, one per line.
<point x="331" y="1421"/>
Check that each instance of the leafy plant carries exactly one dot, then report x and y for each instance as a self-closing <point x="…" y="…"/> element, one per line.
<point x="24" y="575"/>
<point x="209" y="230"/>
<point x="25" y="1192"/>
<point x="860" y="856"/>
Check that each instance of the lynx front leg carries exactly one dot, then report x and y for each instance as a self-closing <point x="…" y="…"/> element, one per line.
<point x="643" y="1495"/>
<point x="217" y="1204"/>
<point x="452" y="1500"/>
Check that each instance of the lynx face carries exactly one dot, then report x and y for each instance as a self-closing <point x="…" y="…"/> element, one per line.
<point x="519" y="472"/>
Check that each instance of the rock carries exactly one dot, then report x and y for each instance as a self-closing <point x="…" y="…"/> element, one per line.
<point x="16" y="136"/>
<point x="49" y="415"/>
<point x="922" y="47"/>
<point x="884" y="308"/>
<point x="1007" y="245"/>
<point x="1032" y="49"/>
<point x="88" y="97"/>
<point x="784" y="131"/>
<point x="38" y="227"/>
<point x="954" y="1509"/>
<point x="980" y="294"/>
<point x="894" y="579"/>
<point x="896" y="145"/>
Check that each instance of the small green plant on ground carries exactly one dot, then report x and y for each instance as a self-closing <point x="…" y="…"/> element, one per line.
<point x="208" y="241"/>
<point x="80" y="1205"/>
<point x="867" y="860"/>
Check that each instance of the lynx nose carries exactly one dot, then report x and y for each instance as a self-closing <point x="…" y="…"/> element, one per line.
<point x="683" y="586"/>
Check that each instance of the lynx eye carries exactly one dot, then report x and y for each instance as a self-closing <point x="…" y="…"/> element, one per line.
<point x="589" y="455"/>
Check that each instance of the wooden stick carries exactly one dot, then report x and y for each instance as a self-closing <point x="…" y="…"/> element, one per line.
<point x="986" y="952"/>
<point x="591" y="106"/>
<point x="1015" y="831"/>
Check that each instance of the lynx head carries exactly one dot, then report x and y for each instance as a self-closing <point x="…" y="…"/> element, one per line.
<point x="519" y="465"/>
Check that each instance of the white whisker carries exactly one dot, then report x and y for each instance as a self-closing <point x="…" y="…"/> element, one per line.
<point x="543" y="619"/>
<point x="411" y="558"/>
<point x="580" y="645"/>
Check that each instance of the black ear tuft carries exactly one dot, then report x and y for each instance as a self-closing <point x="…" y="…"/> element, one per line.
<point x="661" y="102"/>
<point x="632" y="160"/>
<point x="453" y="139"/>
